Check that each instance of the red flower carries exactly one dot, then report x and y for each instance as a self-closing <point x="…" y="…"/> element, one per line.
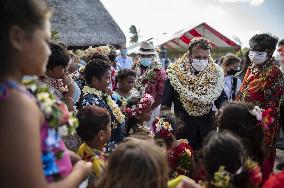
<point x="255" y="175"/>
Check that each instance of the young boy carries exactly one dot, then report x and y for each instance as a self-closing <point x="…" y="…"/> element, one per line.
<point x="94" y="130"/>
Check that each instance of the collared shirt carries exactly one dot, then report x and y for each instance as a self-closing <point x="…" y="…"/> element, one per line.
<point x="228" y="87"/>
<point x="124" y="63"/>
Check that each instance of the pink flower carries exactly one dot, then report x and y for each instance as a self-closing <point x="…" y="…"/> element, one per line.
<point x="65" y="113"/>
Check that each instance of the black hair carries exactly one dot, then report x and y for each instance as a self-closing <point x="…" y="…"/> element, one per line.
<point x="281" y="42"/>
<point x="92" y="119"/>
<point x="201" y="42"/>
<point x="224" y="149"/>
<point x="59" y="56"/>
<point x="265" y="41"/>
<point x="230" y="59"/>
<point x="96" y="68"/>
<point x="237" y="119"/>
<point x="124" y="74"/>
<point x="27" y="14"/>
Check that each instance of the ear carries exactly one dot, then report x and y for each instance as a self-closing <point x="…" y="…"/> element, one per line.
<point x="94" y="80"/>
<point x="101" y="135"/>
<point x="17" y="37"/>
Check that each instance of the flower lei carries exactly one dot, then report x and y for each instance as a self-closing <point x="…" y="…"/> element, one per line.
<point x="197" y="92"/>
<point x="162" y="128"/>
<point x="263" y="116"/>
<point x="55" y="83"/>
<point x="144" y="104"/>
<point x="56" y="113"/>
<point x="222" y="178"/>
<point x="107" y="98"/>
<point x="181" y="158"/>
<point x="142" y="80"/>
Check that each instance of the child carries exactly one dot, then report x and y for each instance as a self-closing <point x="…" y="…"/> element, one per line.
<point x="226" y="164"/>
<point x="180" y="154"/>
<point x="94" y="130"/>
<point x="136" y="163"/>
<point x="125" y="79"/>
<point x="138" y="112"/>
<point x="248" y="123"/>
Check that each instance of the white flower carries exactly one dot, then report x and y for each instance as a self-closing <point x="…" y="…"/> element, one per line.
<point x="257" y="112"/>
<point x="63" y="130"/>
<point x="43" y="96"/>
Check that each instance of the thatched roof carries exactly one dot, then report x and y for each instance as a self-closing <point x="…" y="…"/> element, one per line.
<point x="84" y="23"/>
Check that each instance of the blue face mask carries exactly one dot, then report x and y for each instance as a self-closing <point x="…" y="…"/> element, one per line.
<point x="123" y="52"/>
<point x="146" y="61"/>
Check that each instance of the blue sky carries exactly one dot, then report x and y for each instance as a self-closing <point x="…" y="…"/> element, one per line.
<point x="241" y="18"/>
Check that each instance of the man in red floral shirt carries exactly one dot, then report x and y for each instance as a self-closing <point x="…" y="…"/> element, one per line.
<point x="263" y="87"/>
<point x="150" y="76"/>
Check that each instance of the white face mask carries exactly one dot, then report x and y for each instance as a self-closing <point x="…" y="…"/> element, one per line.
<point x="199" y="65"/>
<point x="257" y="57"/>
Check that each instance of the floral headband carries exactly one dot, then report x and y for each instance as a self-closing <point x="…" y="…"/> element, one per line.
<point x="263" y="116"/>
<point x="143" y="105"/>
<point x="101" y="50"/>
<point x="222" y="178"/>
<point x="162" y="128"/>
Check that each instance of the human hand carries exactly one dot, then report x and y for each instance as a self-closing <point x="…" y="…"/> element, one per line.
<point x="83" y="169"/>
<point x="188" y="183"/>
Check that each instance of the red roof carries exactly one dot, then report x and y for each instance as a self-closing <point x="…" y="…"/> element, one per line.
<point x="183" y="38"/>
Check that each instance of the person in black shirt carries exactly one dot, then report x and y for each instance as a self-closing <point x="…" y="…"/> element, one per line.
<point x="194" y="83"/>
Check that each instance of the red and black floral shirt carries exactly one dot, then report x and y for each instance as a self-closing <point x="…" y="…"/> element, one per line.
<point x="263" y="87"/>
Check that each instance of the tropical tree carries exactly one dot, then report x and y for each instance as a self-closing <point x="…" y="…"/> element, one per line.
<point x="135" y="34"/>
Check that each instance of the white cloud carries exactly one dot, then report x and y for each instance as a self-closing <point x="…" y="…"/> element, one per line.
<point x="251" y="2"/>
<point x="217" y="10"/>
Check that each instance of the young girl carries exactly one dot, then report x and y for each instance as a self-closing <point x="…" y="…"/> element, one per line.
<point x="136" y="163"/>
<point x="138" y="112"/>
<point x="31" y="123"/>
<point x="180" y="154"/>
<point x="94" y="130"/>
<point x="248" y="122"/>
<point x="97" y="74"/>
<point x="226" y="164"/>
<point x="125" y="79"/>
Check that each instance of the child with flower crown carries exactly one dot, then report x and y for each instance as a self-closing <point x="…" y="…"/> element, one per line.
<point x="180" y="154"/>
<point x="138" y="112"/>
<point x="94" y="130"/>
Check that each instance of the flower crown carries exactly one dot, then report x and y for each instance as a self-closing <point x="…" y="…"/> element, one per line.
<point x="143" y="105"/>
<point x="162" y="128"/>
<point x="222" y="178"/>
<point x="263" y="116"/>
<point x="101" y="50"/>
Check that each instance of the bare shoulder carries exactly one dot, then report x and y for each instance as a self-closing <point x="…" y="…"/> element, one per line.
<point x="19" y="107"/>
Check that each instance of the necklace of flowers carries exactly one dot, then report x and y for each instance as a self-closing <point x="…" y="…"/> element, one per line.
<point x="196" y="92"/>
<point x="107" y="98"/>
<point x="55" y="83"/>
<point x="149" y="74"/>
<point x="254" y="69"/>
<point x="56" y="113"/>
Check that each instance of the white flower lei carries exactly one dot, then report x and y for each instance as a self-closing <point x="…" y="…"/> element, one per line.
<point x="111" y="103"/>
<point x="196" y="92"/>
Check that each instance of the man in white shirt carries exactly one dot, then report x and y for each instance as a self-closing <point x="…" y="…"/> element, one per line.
<point x="231" y="66"/>
<point x="123" y="60"/>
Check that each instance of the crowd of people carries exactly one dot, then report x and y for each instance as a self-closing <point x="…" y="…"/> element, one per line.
<point x="100" y="120"/>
